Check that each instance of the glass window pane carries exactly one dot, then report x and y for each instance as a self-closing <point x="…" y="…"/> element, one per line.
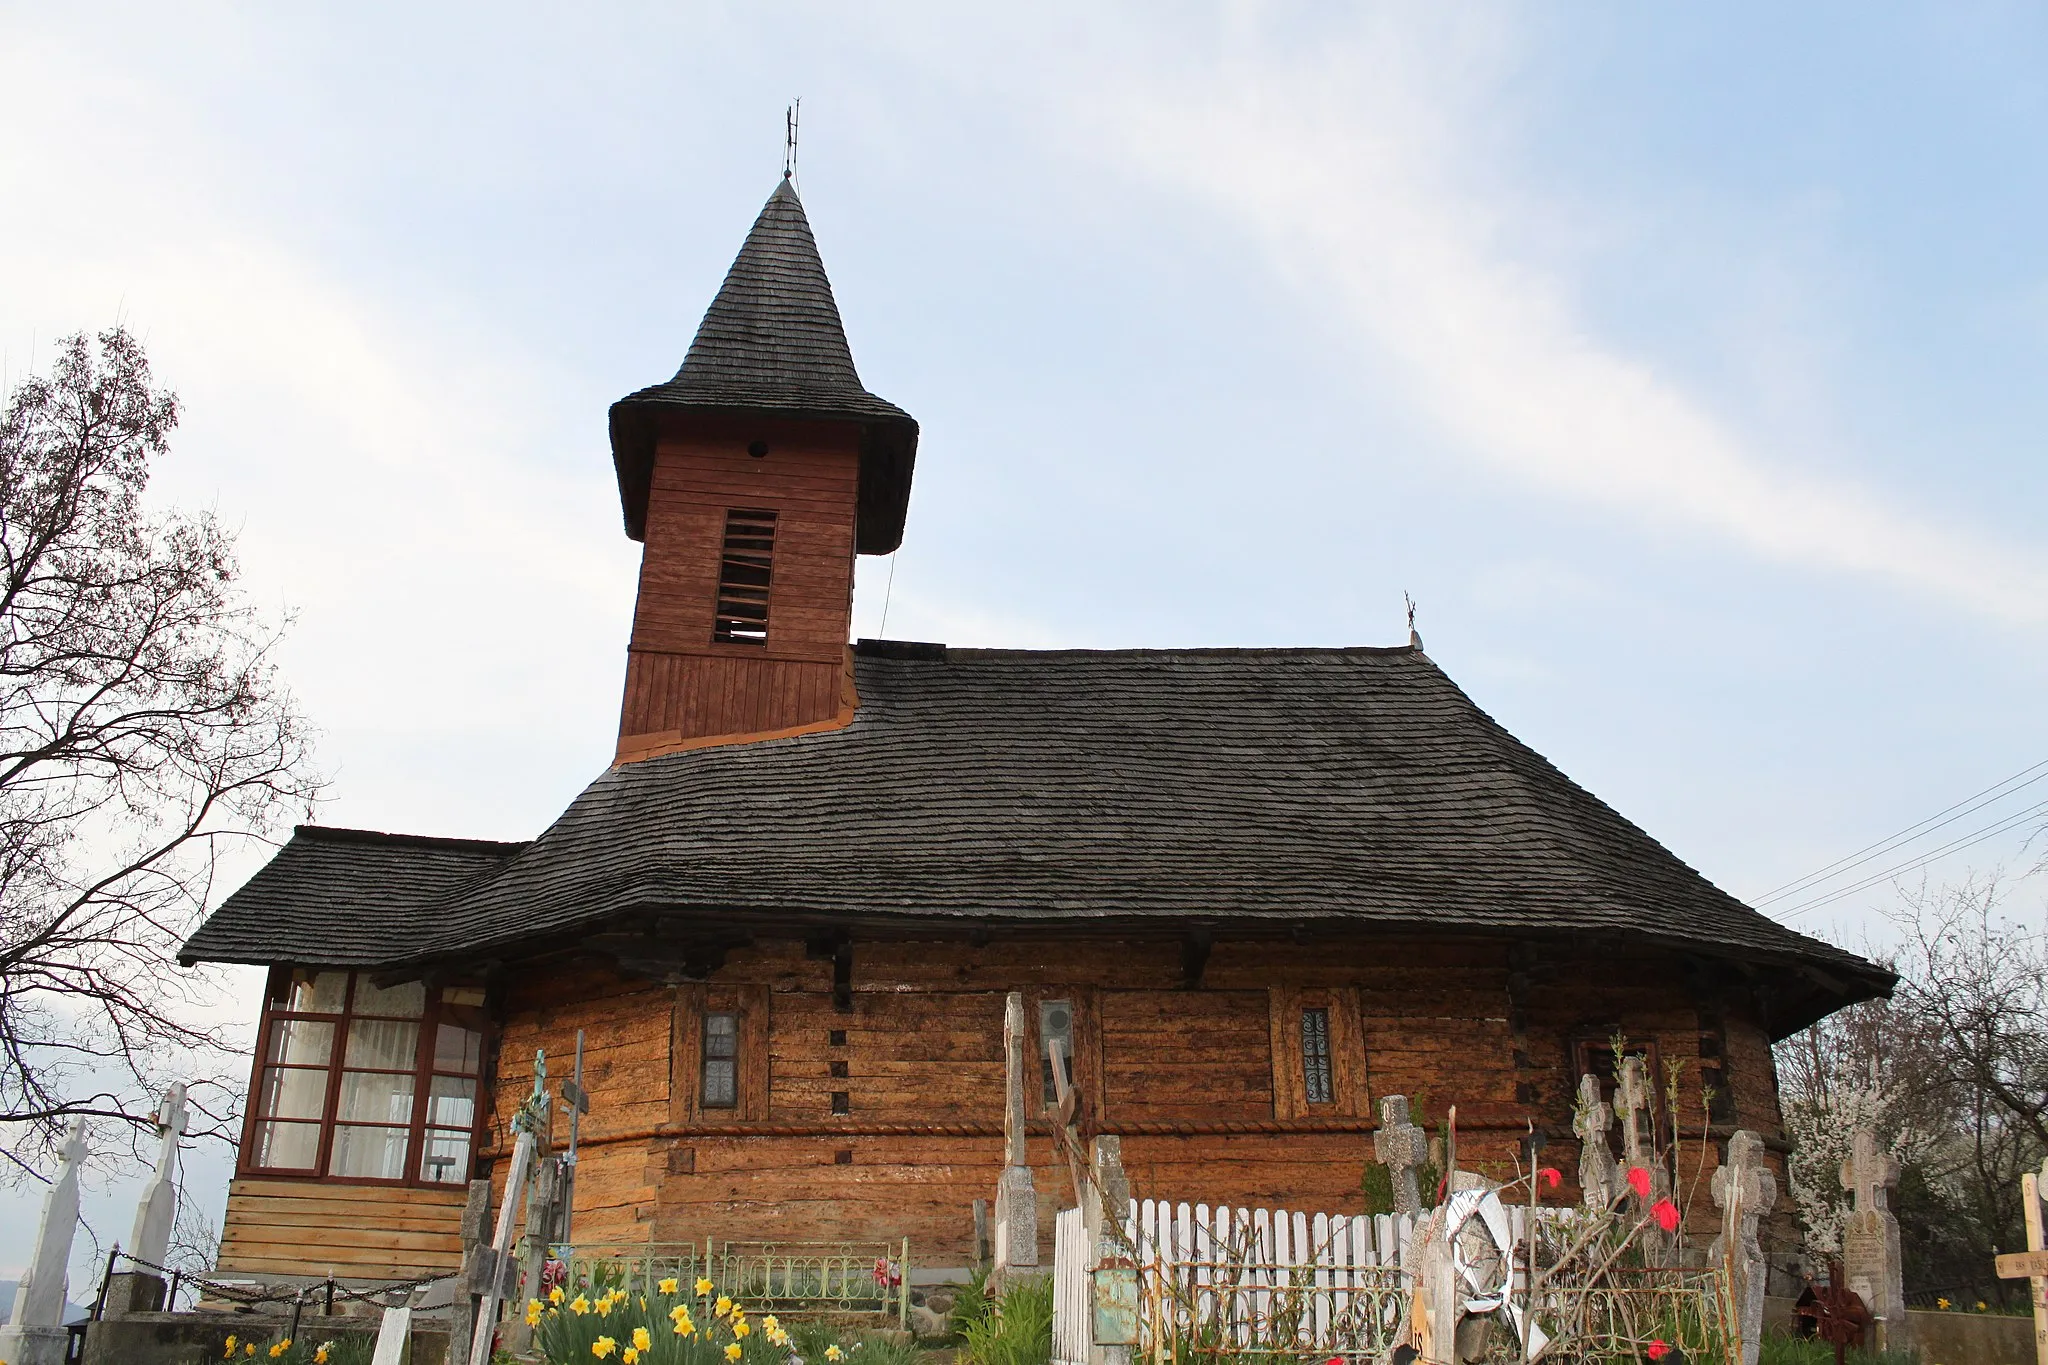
<point x="1315" y="1056"/>
<point x="301" y="1042"/>
<point x="373" y="1097"/>
<point x="458" y="1049"/>
<point x="287" y="1146"/>
<point x="406" y="1000"/>
<point x="292" y="1093"/>
<point x="446" y="1158"/>
<point x="718" y="1084"/>
<point x="451" y="1103"/>
<point x="721" y="1035"/>
<point x="317" y="992"/>
<point x="383" y="1044"/>
<point x="368" y="1153"/>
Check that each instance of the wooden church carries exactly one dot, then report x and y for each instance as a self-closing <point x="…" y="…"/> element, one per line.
<point x="1249" y="891"/>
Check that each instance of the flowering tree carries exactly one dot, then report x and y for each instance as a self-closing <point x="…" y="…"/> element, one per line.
<point x="143" y="729"/>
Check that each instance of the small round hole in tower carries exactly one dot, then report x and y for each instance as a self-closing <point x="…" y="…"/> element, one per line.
<point x="757" y="449"/>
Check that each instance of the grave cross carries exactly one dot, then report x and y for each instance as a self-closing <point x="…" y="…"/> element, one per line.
<point x="1870" y="1235"/>
<point x="155" y="1215"/>
<point x="1598" y="1178"/>
<point x="1016" y="1193"/>
<point x="1639" y="1148"/>
<point x="35" y="1333"/>
<point x="1745" y="1191"/>
<point x="1403" y="1148"/>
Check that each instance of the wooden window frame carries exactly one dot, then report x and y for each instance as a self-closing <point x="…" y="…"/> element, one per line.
<point x="746" y="546"/>
<point x="434" y="1011"/>
<point x="1350" y="1089"/>
<point x="1086" y="1058"/>
<point x="1586" y="1046"/>
<point x="750" y="1062"/>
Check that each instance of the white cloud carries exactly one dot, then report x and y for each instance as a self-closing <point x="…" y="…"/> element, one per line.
<point x="1341" y="164"/>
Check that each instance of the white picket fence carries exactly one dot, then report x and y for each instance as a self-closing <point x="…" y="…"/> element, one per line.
<point x="1071" y="1306"/>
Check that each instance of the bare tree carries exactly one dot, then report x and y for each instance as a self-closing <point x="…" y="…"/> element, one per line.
<point x="143" y="731"/>
<point x="1952" y="1071"/>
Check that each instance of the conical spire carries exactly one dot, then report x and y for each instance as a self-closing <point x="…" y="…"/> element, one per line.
<point x="771" y="344"/>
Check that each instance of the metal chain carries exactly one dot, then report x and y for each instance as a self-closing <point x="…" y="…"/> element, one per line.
<point x="244" y="1297"/>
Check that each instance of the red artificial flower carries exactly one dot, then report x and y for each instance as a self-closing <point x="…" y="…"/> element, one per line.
<point x="1658" y="1349"/>
<point x="1639" y="1181"/>
<point x="1550" y="1176"/>
<point x="1666" y="1214"/>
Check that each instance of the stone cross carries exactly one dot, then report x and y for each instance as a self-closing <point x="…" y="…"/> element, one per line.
<point x="1870" y="1237"/>
<point x="157" y="1212"/>
<point x="1744" y="1190"/>
<point x="1402" y="1147"/>
<point x="35" y="1333"/>
<point x="1639" y="1148"/>
<point x="1016" y="1193"/>
<point x="1599" y="1178"/>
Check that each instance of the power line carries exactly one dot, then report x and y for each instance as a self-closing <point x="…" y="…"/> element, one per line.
<point x="1967" y="806"/>
<point x="2003" y="825"/>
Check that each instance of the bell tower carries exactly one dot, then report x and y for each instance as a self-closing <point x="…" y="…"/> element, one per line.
<point x="752" y="479"/>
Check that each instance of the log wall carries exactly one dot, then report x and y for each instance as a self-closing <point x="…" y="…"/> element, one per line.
<point x="875" y="1112"/>
<point x="680" y="683"/>
<point x="355" y="1232"/>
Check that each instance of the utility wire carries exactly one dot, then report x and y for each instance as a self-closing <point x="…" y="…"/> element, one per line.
<point x="1967" y="806"/>
<point x="1977" y="836"/>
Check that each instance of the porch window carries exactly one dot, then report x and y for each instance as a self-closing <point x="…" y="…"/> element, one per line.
<point x="1317" y="1087"/>
<point x="358" y="1081"/>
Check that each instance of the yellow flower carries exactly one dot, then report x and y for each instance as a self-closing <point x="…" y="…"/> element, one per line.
<point x="232" y="1339"/>
<point x="740" y="1328"/>
<point x="250" y="1349"/>
<point x="833" y="1353"/>
<point x="280" y="1348"/>
<point x="579" y="1305"/>
<point x="704" y="1286"/>
<point x="769" y="1324"/>
<point x="555" y="1296"/>
<point x="534" y="1308"/>
<point x="320" y="1356"/>
<point x="1941" y="1304"/>
<point x="667" y="1286"/>
<point x="732" y="1352"/>
<point x="603" y="1346"/>
<point x="631" y="1356"/>
<point x="642" y="1340"/>
<point x="1981" y="1305"/>
<point x="685" y="1328"/>
<point x="723" y="1306"/>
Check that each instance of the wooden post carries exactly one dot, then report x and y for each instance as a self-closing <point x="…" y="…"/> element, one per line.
<point x="2030" y="1196"/>
<point x="527" y="1122"/>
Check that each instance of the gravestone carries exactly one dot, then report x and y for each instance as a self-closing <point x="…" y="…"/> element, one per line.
<point x="34" y="1334"/>
<point x="1870" y="1237"/>
<point x="1113" y="1277"/>
<point x="1402" y="1148"/>
<point x="141" y="1290"/>
<point x="1599" y="1178"/>
<point x="476" y="1260"/>
<point x="1639" y="1150"/>
<point x="1016" y="1194"/>
<point x="1744" y="1190"/>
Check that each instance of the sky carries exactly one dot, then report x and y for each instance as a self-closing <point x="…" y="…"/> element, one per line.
<point x="1685" y="366"/>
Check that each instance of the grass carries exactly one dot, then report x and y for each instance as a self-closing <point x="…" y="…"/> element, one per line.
<point x="1017" y="1332"/>
<point x="1784" y="1350"/>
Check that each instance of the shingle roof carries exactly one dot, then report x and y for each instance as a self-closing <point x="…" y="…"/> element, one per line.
<point x="771" y="344"/>
<point x="1221" y="787"/>
<point x="343" y="898"/>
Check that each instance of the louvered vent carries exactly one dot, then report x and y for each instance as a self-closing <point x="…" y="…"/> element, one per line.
<point x="743" y="577"/>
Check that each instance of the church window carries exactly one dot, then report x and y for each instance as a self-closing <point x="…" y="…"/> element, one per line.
<point x="721" y="1060"/>
<point x="744" y="573"/>
<point x="1316" y="1083"/>
<point x="362" y="1081"/>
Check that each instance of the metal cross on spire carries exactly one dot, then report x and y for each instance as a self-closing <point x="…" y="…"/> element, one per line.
<point x="790" y="119"/>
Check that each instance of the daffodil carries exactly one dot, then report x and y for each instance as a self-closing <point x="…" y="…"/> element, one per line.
<point x="603" y="1347"/>
<point x="833" y="1353"/>
<point x="555" y="1296"/>
<point x="250" y="1349"/>
<point x="722" y="1307"/>
<point x="630" y="1356"/>
<point x="230" y="1349"/>
<point x="280" y="1348"/>
<point x="685" y="1328"/>
<point x="704" y="1286"/>
<point x="769" y="1324"/>
<point x="732" y="1352"/>
<point x="667" y="1286"/>
<point x="320" y="1356"/>
<point x="642" y="1340"/>
<point x="740" y="1328"/>
<point x="534" y="1308"/>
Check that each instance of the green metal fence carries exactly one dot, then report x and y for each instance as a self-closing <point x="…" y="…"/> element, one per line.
<point x="851" y="1280"/>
